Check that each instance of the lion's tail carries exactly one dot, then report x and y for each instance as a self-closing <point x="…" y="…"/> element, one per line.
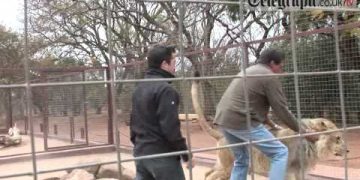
<point x="199" y="111"/>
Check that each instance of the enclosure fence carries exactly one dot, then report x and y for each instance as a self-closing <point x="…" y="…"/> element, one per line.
<point x="321" y="78"/>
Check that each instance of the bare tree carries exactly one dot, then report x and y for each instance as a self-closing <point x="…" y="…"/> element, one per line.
<point x="208" y="33"/>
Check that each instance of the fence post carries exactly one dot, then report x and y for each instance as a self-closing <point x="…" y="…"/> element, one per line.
<point x="72" y="129"/>
<point x="55" y="129"/>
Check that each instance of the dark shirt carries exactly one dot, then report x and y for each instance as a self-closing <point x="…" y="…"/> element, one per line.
<point x="154" y="123"/>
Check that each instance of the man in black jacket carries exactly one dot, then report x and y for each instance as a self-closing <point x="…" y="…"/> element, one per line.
<point x="154" y="124"/>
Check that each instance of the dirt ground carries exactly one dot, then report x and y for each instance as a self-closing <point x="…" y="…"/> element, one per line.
<point x="331" y="168"/>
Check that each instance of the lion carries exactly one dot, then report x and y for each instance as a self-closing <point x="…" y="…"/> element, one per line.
<point x="12" y="138"/>
<point x="327" y="144"/>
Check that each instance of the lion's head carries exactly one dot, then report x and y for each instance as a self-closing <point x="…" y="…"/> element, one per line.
<point x="331" y="144"/>
<point x="319" y="124"/>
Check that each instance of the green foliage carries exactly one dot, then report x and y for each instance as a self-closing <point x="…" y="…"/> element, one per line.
<point x="233" y="11"/>
<point x="67" y="62"/>
<point x="319" y="94"/>
<point x="10" y="56"/>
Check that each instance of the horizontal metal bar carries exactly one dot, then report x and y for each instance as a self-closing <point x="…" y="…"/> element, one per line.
<point x="204" y="77"/>
<point x="53" y="153"/>
<point x="179" y="79"/>
<point x="69" y="83"/>
<point x="5" y="86"/>
<point x="72" y="146"/>
<point x="16" y="175"/>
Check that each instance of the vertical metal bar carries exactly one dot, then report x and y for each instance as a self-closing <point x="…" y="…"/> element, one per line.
<point x="10" y="111"/>
<point x="244" y="74"/>
<point x="26" y="122"/>
<point x="72" y="129"/>
<point x="44" y="99"/>
<point x="296" y="82"/>
<point x="85" y="110"/>
<point x="246" y="53"/>
<point x="181" y="6"/>
<point x="28" y="91"/>
<point x="115" y="123"/>
<point x="72" y="112"/>
<point x="341" y="91"/>
<point x="55" y="129"/>
<point x="110" y="107"/>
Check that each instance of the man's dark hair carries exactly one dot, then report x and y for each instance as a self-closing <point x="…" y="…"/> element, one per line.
<point x="158" y="54"/>
<point x="269" y="55"/>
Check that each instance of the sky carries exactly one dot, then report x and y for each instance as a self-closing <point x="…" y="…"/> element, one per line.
<point x="11" y="14"/>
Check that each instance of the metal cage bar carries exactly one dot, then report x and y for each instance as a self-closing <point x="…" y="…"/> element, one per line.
<point x="341" y="91"/>
<point x="28" y="90"/>
<point x="114" y="123"/>
<point x="181" y="4"/>
<point x="296" y="83"/>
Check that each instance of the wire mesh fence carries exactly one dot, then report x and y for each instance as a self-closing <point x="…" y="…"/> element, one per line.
<point x="84" y="59"/>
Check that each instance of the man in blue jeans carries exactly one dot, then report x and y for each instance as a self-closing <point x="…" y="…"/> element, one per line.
<point x="263" y="93"/>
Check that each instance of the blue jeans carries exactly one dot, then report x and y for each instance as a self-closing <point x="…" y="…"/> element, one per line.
<point x="164" y="168"/>
<point x="276" y="151"/>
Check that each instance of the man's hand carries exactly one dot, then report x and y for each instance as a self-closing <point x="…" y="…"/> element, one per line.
<point x="277" y="127"/>
<point x="272" y="124"/>
<point x="312" y="138"/>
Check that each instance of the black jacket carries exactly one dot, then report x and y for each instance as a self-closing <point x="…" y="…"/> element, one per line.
<point x="154" y="123"/>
